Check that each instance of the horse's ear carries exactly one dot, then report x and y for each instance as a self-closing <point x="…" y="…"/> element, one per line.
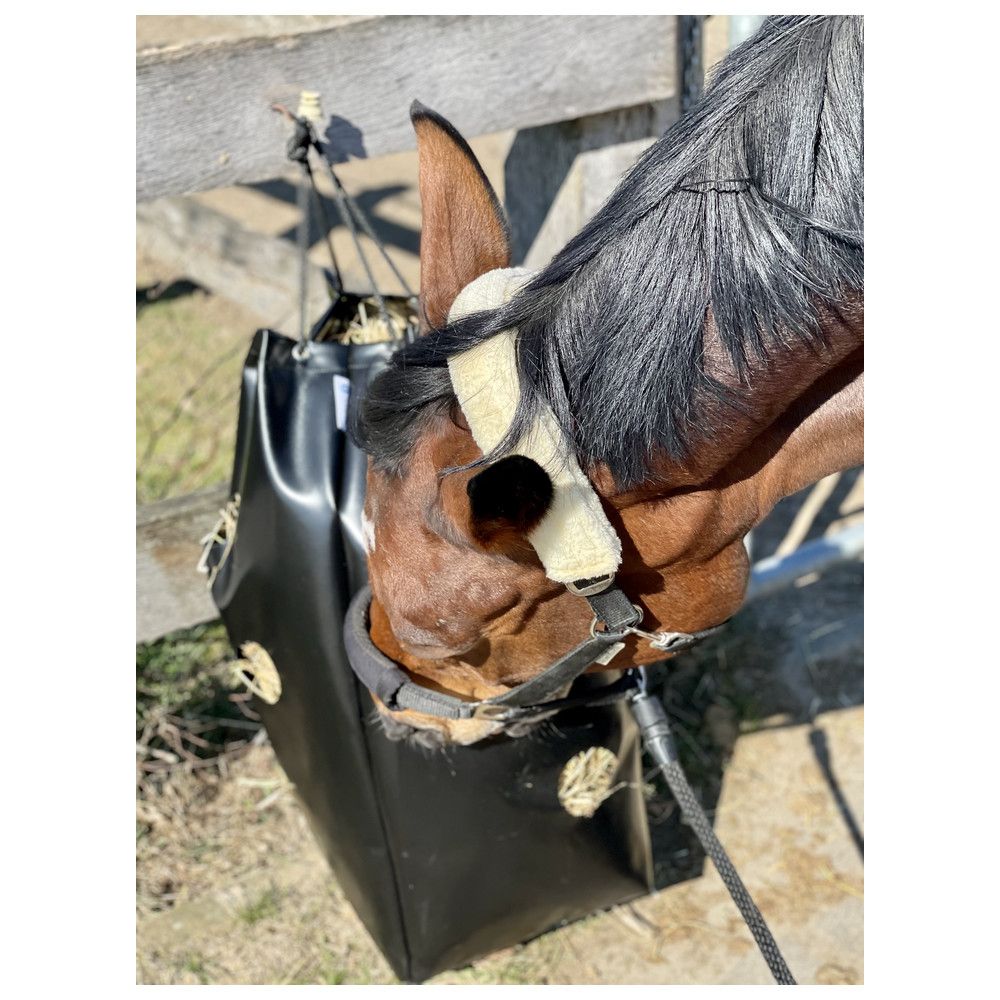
<point x="507" y="500"/>
<point x="464" y="233"/>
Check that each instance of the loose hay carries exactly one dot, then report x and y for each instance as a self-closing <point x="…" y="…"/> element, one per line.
<point x="360" y="320"/>
<point x="224" y="534"/>
<point x="257" y="671"/>
<point x="585" y="781"/>
<point x="370" y="327"/>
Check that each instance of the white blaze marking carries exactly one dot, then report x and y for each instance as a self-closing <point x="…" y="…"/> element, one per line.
<point x="367" y="533"/>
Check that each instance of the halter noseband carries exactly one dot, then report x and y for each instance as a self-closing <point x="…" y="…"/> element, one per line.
<point x="538" y="696"/>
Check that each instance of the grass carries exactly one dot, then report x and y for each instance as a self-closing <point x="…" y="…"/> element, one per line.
<point x="268" y="904"/>
<point x="190" y="710"/>
<point x="196" y="965"/>
<point x="189" y="353"/>
<point x="182" y="673"/>
<point x="334" y="970"/>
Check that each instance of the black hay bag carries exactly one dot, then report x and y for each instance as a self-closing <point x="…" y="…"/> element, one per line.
<point x="445" y="856"/>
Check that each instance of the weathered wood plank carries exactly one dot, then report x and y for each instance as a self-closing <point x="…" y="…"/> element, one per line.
<point x="170" y="593"/>
<point x="203" y="118"/>
<point x="557" y="176"/>
<point x="260" y="273"/>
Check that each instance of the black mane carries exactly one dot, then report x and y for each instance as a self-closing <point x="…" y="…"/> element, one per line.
<point x="751" y="205"/>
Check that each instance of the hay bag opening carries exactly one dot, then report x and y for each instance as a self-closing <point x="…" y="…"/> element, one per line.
<point x="257" y="671"/>
<point x="585" y="781"/>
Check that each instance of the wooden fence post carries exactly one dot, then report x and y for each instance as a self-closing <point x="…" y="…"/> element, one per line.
<point x="557" y="176"/>
<point x="170" y="594"/>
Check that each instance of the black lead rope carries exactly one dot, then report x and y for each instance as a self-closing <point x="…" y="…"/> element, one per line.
<point x="659" y="741"/>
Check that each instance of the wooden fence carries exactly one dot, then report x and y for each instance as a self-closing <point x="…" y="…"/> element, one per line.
<point x="586" y="95"/>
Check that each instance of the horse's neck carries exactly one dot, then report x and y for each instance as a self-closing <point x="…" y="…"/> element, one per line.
<point x="800" y="418"/>
<point x="777" y="396"/>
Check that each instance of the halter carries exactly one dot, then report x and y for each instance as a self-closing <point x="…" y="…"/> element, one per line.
<point x="535" y="697"/>
<point x="575" y="542"/>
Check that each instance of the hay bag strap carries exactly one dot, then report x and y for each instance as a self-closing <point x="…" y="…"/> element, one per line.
<point x="301" y="144"/>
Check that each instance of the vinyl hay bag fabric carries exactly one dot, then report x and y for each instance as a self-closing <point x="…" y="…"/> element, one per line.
<point x="445" y="856"/>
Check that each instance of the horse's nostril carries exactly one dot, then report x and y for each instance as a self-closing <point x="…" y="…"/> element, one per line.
<point x="429" y="644"/>
<point x="432" y="651"/>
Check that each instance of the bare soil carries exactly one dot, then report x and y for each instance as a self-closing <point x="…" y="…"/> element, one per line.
<point x="232" y="888"/>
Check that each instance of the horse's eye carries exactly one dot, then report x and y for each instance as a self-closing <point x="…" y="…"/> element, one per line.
<point x="511" y="495"/>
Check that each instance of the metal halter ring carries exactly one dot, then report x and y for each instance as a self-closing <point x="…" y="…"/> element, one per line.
<point x="658" y="640"/>
<point x="625" y="630"/>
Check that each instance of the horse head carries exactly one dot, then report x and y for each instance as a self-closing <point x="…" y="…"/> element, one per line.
<point x="460" y="597"/>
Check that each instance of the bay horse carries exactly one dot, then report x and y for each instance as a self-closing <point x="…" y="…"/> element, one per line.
<point x="699" y="345"/>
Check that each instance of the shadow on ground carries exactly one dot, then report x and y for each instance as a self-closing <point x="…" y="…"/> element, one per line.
<point x="782" y="661"/>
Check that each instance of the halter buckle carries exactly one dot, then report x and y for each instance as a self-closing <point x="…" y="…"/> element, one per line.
<point x="591" y="585"/>
<point x="493" y="712"/>
<point x="666" y="642"/>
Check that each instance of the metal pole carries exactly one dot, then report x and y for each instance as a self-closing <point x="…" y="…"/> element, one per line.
<point x="689" y="62"/>
<point x="776" y="572"/>
<point x="742" y="26"/>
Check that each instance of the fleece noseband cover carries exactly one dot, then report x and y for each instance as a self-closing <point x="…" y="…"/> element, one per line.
<point x="575" y="540"/>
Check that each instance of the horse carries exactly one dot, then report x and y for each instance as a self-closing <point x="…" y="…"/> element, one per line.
<point x="698" y="347"/>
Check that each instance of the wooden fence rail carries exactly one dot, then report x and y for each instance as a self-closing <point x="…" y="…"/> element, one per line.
<point x="202" y="111"/>
<point x="586" y="94"/>
<point x="170" y="593"/>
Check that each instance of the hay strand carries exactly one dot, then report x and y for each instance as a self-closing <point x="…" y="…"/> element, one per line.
<point x="257" y="671"/>
<point x="585" y="781"/>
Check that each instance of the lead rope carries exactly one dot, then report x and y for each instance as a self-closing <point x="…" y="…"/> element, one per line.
<point x="659" y="741"/>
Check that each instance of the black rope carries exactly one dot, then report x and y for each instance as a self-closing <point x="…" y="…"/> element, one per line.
<point x="341" y="201"/>
<point x="302" y="199"/>
<point x="366" y="226"/>
<point x="659" y="741"/>
<point x="299" y="144"/>
<point x="338" y="283"/>
<point x="303" y="139"/>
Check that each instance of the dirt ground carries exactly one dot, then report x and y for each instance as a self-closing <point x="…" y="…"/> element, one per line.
<point x="257" y="903"/>
<point x="231" y="887"/>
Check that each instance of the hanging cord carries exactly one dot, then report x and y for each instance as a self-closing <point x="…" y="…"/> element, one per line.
<point x="308" y="197"/>
<point x="320" y="210"/>
<point x="298" y="152"/>
<point x="304" y="139"/>
<point x="659" y="741"/>
<point x="362" y="219"/>
<point x="342" y="201"/>
<point x="366" y="226"/>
